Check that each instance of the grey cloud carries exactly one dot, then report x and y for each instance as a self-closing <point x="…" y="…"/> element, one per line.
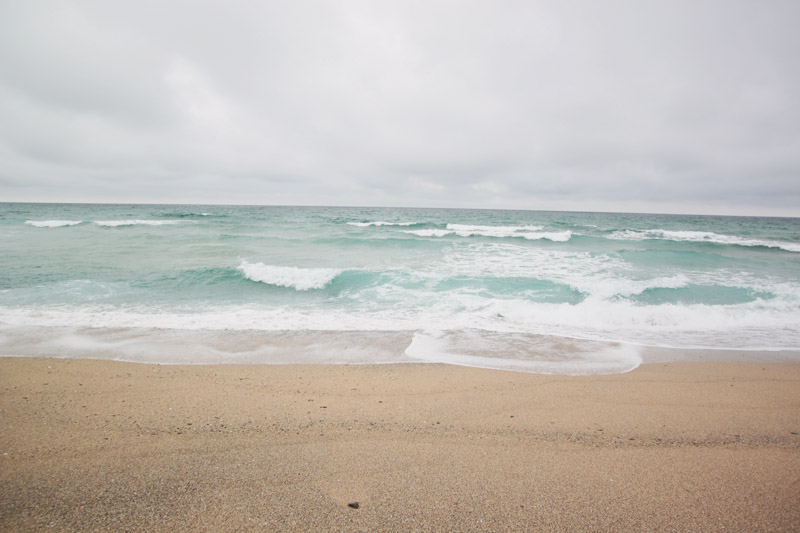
<point x="613" y="105"/>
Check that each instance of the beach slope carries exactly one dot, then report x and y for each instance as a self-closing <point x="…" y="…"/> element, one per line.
<point x="103" y="445"/>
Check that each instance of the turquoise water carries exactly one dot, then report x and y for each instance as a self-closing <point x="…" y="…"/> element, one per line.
<point x="484" y="280"/>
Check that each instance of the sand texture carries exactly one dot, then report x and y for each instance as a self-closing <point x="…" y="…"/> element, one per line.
<point x="101" y="445"/>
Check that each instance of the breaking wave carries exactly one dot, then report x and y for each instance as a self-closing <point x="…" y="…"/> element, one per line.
<point x="301" y="279"/>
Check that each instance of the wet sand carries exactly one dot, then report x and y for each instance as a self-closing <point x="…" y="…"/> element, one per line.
<point x="103" y="445"/>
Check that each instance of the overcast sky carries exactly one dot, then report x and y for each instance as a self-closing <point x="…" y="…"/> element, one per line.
<point x="655" y="106"/>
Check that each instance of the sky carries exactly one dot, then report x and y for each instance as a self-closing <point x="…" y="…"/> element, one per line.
<point x="638" y="106"/>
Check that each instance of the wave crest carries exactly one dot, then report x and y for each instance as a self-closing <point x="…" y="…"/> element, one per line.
<point x="381" y="223"/>
<point x="555" y="236"/>
<point x="187" y="214"/>
<point x="52" y="223"/>
<point x="429" y="232"/>
<point x="497" y="229"/>
<point x="117" y="223"/>
<point x="531" y="233"/>
<point x="301" y="279"/>
<point x="699" y="236"/>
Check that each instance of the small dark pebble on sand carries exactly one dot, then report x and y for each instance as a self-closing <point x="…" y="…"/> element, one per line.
<point x="354" y="505"/>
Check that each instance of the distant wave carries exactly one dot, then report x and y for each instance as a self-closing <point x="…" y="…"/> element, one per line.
<point x="429" y="232"/>
<point x="118" y="223"/>
<point x="301" y="279"/>
<point x="53" y="223"/>
<point x="106" y="223"/>
<point x="466" y="230"/>
<point x="380" y="223"/>
<point x="523" y="232"/>
<point x="502" y="231"/>
<point x="700" y="236"/>
<point x="186" y="215"/>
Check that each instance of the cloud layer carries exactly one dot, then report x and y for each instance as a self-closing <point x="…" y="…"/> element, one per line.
<point x="668" y="106"/>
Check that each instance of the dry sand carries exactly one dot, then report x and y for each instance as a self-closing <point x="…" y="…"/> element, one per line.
<point x="100" y="445"/>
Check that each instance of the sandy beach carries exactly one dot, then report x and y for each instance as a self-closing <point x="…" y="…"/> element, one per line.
<point x="103" y="445"/>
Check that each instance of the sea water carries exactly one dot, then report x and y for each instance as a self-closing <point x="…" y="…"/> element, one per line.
<point x="536" y="291"/>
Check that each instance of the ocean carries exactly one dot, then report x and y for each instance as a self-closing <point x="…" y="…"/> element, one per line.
<point x="551" y="292"/>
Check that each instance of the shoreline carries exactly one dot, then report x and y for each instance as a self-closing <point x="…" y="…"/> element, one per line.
<point x="543" y="354"/>
<point x="92" y="444"/>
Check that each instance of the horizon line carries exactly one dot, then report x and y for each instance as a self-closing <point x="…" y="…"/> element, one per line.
<point x="577" y="211"/>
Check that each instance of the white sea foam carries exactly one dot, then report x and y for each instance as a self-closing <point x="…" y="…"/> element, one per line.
<point x="301" y="279"/>
<point x="600" y="276"/>
<point x="117" y="223"/>
<point x="500" y="259"/>
<point x="52" y="223"/>
<point x="759" y="324"/>
<point x="750" y="325"/>
<point x="380" y="223"/>
<point x="221" y="317"/>
<point x="700" y="236"/>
